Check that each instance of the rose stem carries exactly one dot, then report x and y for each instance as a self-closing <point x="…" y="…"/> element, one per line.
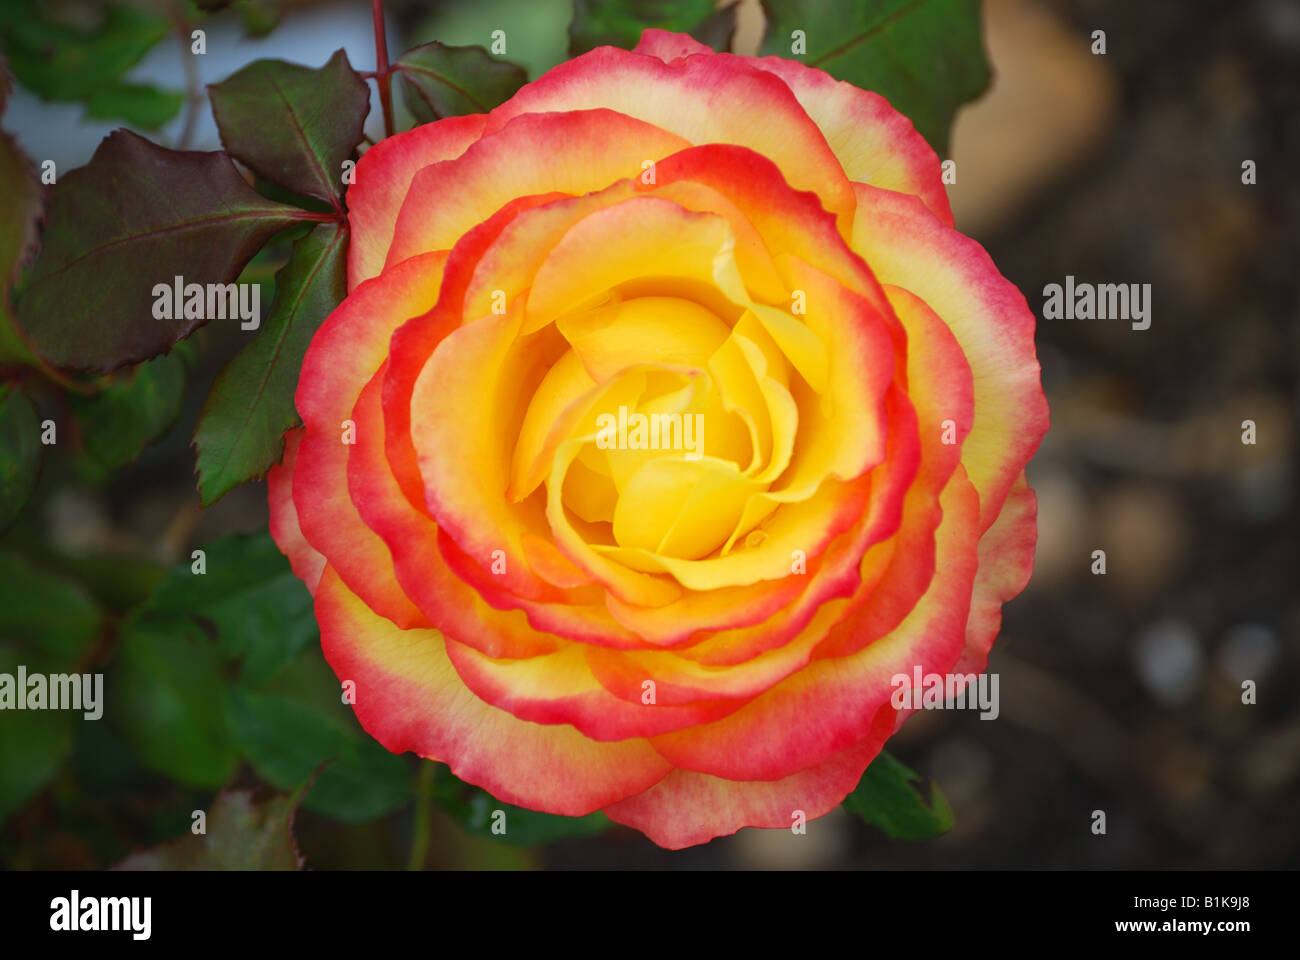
<point x="383" y="74"/>
<point x="423" y="816"/>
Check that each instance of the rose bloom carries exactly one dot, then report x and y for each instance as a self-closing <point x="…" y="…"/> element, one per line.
<point x="576" y="618"/>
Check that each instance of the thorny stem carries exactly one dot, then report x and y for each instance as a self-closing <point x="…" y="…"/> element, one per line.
<point x="383" y="73"/>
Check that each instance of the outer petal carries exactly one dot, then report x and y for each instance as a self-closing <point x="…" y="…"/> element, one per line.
<point x="305" y="560"/>
<point x="409" y="697"/>
<point x="873" y="142"/>
<point x="669" y="46"/>
<point x="575" y="152"/>
<point x="909" y="247"/>
<point x="1006" y="561"/>
<point x="383" y="179"/>
<point x="713" y="99"/>
<point x="345" y="353"/>
<point x="686" y="808"/>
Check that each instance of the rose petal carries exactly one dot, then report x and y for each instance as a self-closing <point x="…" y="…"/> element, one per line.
<point x="409" y="697"/>
<point x="345" y="353"/>
<point x="575" y="152"/>
<point x="382" y="180"/>
<point x="683" y="97"/>
<point x="909" y="247"/>
<point x="304" y="559"/>
<point x="686" y="808"/>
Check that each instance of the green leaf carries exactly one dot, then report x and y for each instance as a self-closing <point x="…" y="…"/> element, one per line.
<point x="298" y="723"/>
<point x="885" y="797"/>
<point x="240" y="434"/>
<point x="119" y="422"/>
<point x="174" y="677"/>
<point x="166" y="695"/>
<point x="249" y="600"/>
<point x="20" y="452"/>
<point x="116" y="581"/>
<point x="136" y="103"/>
<point x="137" y="215"/>
<point x="925" y="57"/>
<point x="243" y="833"/>
<point x="365" y="783"/>
<point x="293" y="125"/>
<point x="285" y="741"/>
<point x="102" y="762"/>
<point x="440" y="81"/>
<point x="45" y="612"/>
<point x="619" y="22"/>
<point x="33" y="743"/>
<point x="63" y="61"/>
<point x="259" y="17"/>
<point x="475" y="809"/>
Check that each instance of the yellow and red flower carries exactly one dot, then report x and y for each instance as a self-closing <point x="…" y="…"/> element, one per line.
<point x="692" y="644"/>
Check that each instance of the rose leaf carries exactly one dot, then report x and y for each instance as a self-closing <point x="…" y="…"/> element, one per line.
<point x="441" y="81"/>
<point x="61" y="58"/>
<point x="137" y="217"/>
<point x="45" y="613"/>
<point x="296" y="725"/>
<point x="478" y="812"/>
<point x="20" y="452"/>
<point x="293" y="125"/>
<point x="164" y="697"/>
<point x="240" y="434"/>
<point x="34" y="744"/>
<point x="619" y="23"/>
<point x="246" y="597"/>
<point x="885" y="797"/>
<point x="119" y="422"/>
<point x="243" y="832"/>
<point x="21" y="206"/>
<point x="138" y="104"/>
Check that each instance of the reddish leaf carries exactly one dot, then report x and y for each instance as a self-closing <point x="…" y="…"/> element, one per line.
<point x="138" y="215"/>
<point x="242" y="833"/>
<point x="293" y="125"/>
<point x="20" y="201"/>
<point x="20" y="211"/>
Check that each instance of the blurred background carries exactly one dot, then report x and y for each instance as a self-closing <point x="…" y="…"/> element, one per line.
<point x="1120" y="692"/>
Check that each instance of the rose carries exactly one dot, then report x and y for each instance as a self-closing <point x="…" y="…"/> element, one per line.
<point x="691" y="644"/>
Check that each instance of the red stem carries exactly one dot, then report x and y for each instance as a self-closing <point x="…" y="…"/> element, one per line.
<point x="383" y="74"/>
<point x="319" y="217"/>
